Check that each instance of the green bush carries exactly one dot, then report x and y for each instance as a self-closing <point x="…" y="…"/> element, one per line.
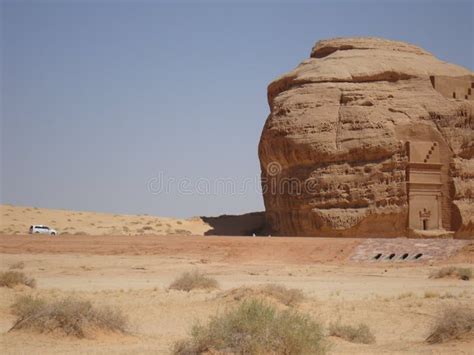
<point x="188" y="281"/>
<point x="69" y="316"/>
<point x="360" y="334"/>
<point x="256" y="328"/>
<point x="13" y="278"/>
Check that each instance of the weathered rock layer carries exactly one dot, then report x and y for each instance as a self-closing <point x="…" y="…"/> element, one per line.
<point x="333" y="150"/>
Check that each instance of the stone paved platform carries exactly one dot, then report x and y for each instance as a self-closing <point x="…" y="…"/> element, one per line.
<point x="403" y="249"/>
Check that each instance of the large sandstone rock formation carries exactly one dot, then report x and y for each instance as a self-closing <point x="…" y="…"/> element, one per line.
<point x="334" y="150"/>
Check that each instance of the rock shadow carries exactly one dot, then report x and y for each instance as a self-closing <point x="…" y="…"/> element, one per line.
<point x="236" y="225"/>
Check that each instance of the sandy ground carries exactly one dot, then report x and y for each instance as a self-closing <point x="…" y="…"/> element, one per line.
<point x="210" y="248"/>
<point x="133" y="274"/>
<point x="18" y="219"/>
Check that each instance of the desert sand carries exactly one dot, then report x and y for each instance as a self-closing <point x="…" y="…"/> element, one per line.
<point x="18" y="219"/>
<point x="397" y="300"/>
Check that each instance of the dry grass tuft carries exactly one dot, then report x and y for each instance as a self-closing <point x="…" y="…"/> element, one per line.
<point x="17" y="266"/>
<point x="281" y="294"/>
<point x="13" y="278"/>
<point x="452" y="272"/>
<point x="181" y="232"/>
<point x="447" y="295"/>
<point x="405" y="295"/>
<point x="255" y="328"/>
<point x="454" y="322"/>
<point x="360" y="334"/>
<point x="188" y="281"/>
<point x="69" y="316"/>
<point x="431" y="294"/>
<point x="287" y="296"/>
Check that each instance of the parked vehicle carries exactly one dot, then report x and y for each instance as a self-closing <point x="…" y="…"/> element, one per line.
<point x="40" y="229"/>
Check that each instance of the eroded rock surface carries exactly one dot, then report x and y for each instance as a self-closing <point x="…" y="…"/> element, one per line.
<point x="333" y="150"/>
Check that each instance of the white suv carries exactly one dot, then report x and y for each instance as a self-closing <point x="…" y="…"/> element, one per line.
<point x="39" y="229"/>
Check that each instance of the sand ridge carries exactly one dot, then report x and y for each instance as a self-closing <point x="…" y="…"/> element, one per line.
<point x="18" y="219"/>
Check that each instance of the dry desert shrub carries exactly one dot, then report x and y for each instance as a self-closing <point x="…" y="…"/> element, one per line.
<point x="17" y="266"/>
<point x="287" y="296"/>
<point x="69" y="316"/>
<point x="255" y="328"/>
<point x="431" y="294"/>
<point x="181" y="232"/>
<point x="447" y="295"/>
<point x="451" y="271"/>
<point x="454" y="322"/>
<point x="188" y="281"/>
<point x="360" y="334"/>
<point x="13" y="278"/>
<point x="405" y="295"/>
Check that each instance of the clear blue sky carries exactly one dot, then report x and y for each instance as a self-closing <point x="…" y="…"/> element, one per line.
<point x="100" y="97"/>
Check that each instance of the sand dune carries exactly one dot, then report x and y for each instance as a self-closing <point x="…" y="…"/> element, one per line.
<point x="17" y="220"/>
